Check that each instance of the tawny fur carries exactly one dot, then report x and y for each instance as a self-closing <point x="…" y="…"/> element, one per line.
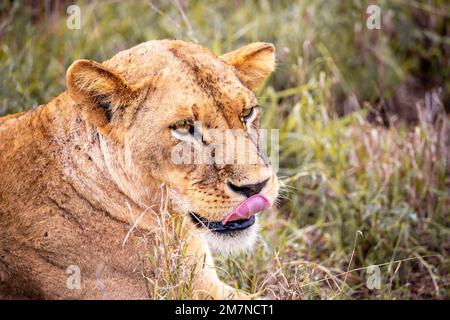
<point x="78" y="171"/>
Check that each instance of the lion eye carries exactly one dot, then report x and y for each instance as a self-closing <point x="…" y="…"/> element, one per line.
<point x="185" y="127"/>
<point x="247" y="114"/>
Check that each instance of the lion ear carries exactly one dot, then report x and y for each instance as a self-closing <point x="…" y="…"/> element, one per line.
<point x="253" y="63"/>
<point x="100" y="91"/>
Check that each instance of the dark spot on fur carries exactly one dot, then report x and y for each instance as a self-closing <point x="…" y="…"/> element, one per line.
<point x="107" y="109"/>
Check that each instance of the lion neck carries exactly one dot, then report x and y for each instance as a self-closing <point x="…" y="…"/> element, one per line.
<point x="92" y="164"/>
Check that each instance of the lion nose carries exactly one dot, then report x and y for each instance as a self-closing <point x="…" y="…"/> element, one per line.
<point x="248" y="190"/>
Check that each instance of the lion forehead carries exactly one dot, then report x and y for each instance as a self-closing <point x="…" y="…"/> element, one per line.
<point x="177" y="64"/>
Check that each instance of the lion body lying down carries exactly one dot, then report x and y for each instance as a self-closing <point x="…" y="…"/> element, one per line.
<point x="79" y="172"/>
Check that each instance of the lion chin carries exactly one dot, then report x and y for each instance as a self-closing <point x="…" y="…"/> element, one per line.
<point x="233" y="242"/>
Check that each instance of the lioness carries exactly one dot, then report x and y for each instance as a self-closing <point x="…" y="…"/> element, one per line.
<point x="80" y="171"/>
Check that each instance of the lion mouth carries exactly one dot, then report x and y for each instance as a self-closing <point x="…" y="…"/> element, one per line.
<point x="219" y="227"/>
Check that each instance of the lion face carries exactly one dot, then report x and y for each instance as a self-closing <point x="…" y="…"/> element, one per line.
<point x="175" y="114"/>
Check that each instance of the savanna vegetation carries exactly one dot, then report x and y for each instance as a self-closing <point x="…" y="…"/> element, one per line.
<point x="364" y="128"/>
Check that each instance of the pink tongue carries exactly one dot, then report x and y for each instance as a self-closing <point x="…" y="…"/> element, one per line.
<point x="249" y="207"/>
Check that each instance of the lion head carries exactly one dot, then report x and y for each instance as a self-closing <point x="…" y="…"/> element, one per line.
<point x="149" y="100"/>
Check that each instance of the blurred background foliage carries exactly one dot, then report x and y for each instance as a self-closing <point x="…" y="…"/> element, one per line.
<point x="363" y="119"/>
